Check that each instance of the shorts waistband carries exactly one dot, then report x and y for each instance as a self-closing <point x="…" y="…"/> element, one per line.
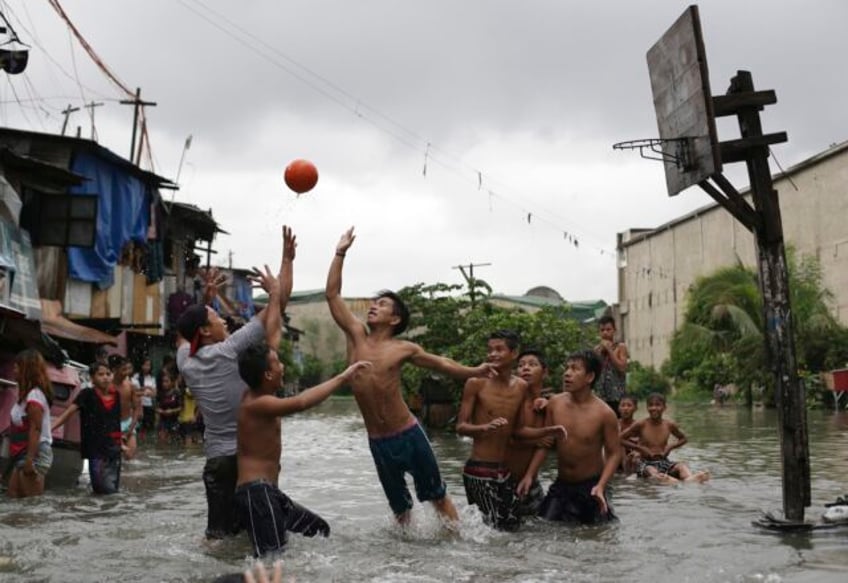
<point x="410" y="426"/>
<point x="593" y="480"/>
<point x="481" y="469"/>
<point x="253" y="483"/>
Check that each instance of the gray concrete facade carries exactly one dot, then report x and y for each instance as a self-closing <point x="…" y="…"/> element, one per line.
<point x="656" y="267"/>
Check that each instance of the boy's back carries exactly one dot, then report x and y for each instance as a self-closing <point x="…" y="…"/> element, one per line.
<point x="259" y="443"/>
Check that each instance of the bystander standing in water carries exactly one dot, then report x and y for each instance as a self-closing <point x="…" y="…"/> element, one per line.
<point x="30" y="429"/>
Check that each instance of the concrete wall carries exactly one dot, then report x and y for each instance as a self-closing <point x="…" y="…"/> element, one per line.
<point x="322" y="338"/>
<point x="657" y="268"/>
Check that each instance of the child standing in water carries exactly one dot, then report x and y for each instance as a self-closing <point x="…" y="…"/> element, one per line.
<point x="588" y="458"/>
<point x="170" y="405"/>
<point x="100" y="421"/>
<point x="630" y="457"/>
<point x="30" y="433"/>
<point x="652" y="442"/>
<point x="610" y="384"/>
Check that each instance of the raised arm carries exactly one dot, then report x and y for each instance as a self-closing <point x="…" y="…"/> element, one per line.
<point x="442" y="364"/>
<point x="286" y="275"/>
<point x="280" y="407"/>
<point x="270" y="317"/>
<point x="342" y="315"/>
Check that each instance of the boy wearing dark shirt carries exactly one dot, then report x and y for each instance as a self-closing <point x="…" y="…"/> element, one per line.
<point x="100" y="429"/>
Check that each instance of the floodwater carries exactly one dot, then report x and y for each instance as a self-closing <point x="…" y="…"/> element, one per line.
<point x="152" y="530"/>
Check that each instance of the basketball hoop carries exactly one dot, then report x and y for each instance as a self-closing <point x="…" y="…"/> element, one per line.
<point x="682" y="148"/>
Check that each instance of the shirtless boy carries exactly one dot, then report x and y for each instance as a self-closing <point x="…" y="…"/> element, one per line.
<point x="491" y="413"/>
<point x="533" y="370"/>
<point x="630" y="457"/>
<point x="653" y="435"/>
<point x="266" y="512"/>
<point x="130" y="403"/>
<point x="587" y="460"/>
<point x="398" y="443"/>
<point x="207" y="357"/>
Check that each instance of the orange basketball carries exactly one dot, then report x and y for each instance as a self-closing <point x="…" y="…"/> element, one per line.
<point x="301" y="176"/>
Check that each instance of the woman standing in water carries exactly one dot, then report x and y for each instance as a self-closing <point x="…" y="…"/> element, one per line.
<point x="31" y="447"/>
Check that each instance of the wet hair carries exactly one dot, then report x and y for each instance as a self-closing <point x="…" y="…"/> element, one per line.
<point x="655" y="397"/>
<point x="510" y="337"/>
<point x="95" y="366"/>
<point x="606" y="320"/>
<point x="253" y="363"/>
<point x="399" y="309"/>
<point x="116" y="361"/>
<point x="32" y="373"/>
<point x="628" y="397"/>
<point x="533" y="352"/>
<point x="590" y="361"/>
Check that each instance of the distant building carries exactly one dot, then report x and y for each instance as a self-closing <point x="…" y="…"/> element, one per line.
<point x="656" y="267"/>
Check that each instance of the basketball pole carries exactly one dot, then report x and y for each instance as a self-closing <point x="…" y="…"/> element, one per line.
<point x="692" y="154"/>
<point x="790" y="399"/>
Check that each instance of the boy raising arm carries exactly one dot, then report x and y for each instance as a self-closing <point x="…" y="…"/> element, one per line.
<point x="390" y="425"/>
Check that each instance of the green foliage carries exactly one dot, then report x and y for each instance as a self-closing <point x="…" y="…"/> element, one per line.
<point x="642" y="381"/>
<point x="722" y="341"/>
<point x="311" y="373"/>
<point x="445" y="323"/>
<point x="285" y="352"/>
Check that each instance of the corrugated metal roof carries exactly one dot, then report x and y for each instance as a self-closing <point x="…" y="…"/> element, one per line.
<point x="74" y="143"/>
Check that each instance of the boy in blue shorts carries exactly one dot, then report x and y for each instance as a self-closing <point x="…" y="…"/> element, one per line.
<point x="398" y="443"/>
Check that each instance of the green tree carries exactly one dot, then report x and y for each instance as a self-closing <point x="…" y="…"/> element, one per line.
<point x="722" y="339"/>
<point x="444" y="323"/>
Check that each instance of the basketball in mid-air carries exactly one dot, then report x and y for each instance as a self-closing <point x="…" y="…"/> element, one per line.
<point x="301" y="176"/>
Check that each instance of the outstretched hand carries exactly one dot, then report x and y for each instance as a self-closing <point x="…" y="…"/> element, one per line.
<point x="212" y="279"/>
<point x="266" y="281"/>
<point x="289" y="244"/>
<point x="357" y="366"/>
<point x="345" y="241"/>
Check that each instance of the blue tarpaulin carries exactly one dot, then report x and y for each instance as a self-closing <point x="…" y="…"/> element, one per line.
<point x="123" y="215"/>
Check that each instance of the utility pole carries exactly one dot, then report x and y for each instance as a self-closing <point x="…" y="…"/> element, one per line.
<point x="137" y="103"/>
<point x="91" y="106"/>
<point x="67" y="111"/>
<point x="469" y="278"/>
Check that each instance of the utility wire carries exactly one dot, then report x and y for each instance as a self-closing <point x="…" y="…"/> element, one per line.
<point x="346" y="100"/>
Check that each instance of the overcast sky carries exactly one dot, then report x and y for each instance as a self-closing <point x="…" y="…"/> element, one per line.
<point x="520" y="103"/>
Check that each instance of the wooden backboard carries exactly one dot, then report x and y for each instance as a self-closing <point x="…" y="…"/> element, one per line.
<point x="680" y="82"/>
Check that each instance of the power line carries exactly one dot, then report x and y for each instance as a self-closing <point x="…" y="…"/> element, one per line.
<point x="400" y="133"/>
